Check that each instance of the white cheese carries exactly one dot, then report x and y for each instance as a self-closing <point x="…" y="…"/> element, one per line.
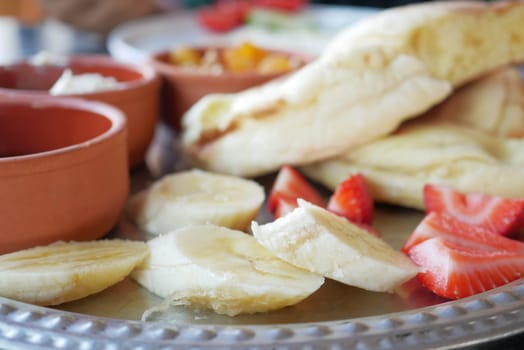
<point x="68" y="83"/>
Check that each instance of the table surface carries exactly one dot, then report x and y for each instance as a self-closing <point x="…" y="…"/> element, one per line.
<point x="18" y="42"/>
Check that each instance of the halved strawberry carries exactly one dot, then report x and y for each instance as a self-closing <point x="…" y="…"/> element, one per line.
<point x="352" y="199"/>
<point x="450" y="229"/>
<point x="454" y="271"/>
<point x="290" y="185"/>
<point x="501" y="215"/>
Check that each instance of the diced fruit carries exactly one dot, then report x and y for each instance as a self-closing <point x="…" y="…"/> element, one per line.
<point x="319" y="241"/>
<point x="184" y="56"/>
<point x="243" y="58"/>
<point x="352" y="199"/>
<point x="223" y="16"/>
<point x="290" y="185"/>
<point x="452" y="230"/>
<point x="228" y="271"/>
<point x="454" y="271"/>
<point x="274" y="64"/>
<point x="500" y="215"/>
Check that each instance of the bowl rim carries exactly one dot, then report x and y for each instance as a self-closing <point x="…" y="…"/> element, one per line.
<point x="114" y="115"/>
<point x="165" y="68"/>
<point x="148" y="75"/>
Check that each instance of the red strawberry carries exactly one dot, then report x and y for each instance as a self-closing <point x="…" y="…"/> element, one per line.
<point x="284" y="206"/>
<point x="352" y="200"/>
<point x="454" y="271"/>
<point x="501" y="215"/>
<point x="450" y="229"/>
<point x="288" y="186"/>
<point x="415" y="295"/>
<point x="223" y="16"/>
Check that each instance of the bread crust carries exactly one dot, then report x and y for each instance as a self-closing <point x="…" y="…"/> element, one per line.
<point x="372" y="77"/>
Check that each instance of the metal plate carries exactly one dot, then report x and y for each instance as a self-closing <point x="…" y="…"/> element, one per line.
<point x="469" y="321"/>
<point x="335" y="317"/>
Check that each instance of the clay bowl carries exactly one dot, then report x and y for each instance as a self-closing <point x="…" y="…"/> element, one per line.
<point x="183" y="86"/>
<point x="137" y="94"/>
<point x="63" y="169"/>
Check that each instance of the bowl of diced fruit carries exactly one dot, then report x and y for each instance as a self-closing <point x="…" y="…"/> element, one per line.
<point x="189" y="73"/>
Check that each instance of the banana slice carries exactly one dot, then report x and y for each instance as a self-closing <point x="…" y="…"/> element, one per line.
<point x="66" y="271"/>
<point x="321" y="242"/>
<point x="196" y="197"/>
<point x="213" y="267"/>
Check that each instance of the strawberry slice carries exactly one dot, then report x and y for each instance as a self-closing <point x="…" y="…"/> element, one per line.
<point x="454" y="271"/>
<point x="283" y="206"/>
<point x="290" y="185"/>
<point x="352" y="199"/>
<point x="501" y="215"/>
<point x="452" y="230"/>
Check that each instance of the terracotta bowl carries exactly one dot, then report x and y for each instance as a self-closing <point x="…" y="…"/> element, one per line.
<point x="63" y="170"/>
<point x="137" y="95"/>
<point x="183" y="86"/>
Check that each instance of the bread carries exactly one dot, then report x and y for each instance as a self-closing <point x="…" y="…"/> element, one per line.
<point x="465" y="143"/>
<point x="371" y="77"/>
<point x="456" y="40"/>
<point x="397" y="167"/>
<point x="493" y="103"/>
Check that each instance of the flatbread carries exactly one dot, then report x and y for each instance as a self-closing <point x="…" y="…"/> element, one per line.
<point x="372" y="77"/>
<point x="493" y="103"/>
<point x="471" y="142"/>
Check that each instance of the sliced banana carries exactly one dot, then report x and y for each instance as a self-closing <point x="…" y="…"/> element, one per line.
<point x="196" y="197"/>
<point x="321" y="242"/>
<point x="66" y="271"/>
<point x="228" y="271"/>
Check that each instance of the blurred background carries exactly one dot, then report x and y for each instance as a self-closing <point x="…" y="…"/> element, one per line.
<point x="25" y="29"/>
<point x="81" y="26"/>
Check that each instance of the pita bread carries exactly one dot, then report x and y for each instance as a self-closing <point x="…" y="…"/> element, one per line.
<point x="373" y="76"/>
<point x="456" y="144"/>
<point x="493" y="103"/>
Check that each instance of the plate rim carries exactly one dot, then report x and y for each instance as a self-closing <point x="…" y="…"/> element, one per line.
<point x="484" y="317"/>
